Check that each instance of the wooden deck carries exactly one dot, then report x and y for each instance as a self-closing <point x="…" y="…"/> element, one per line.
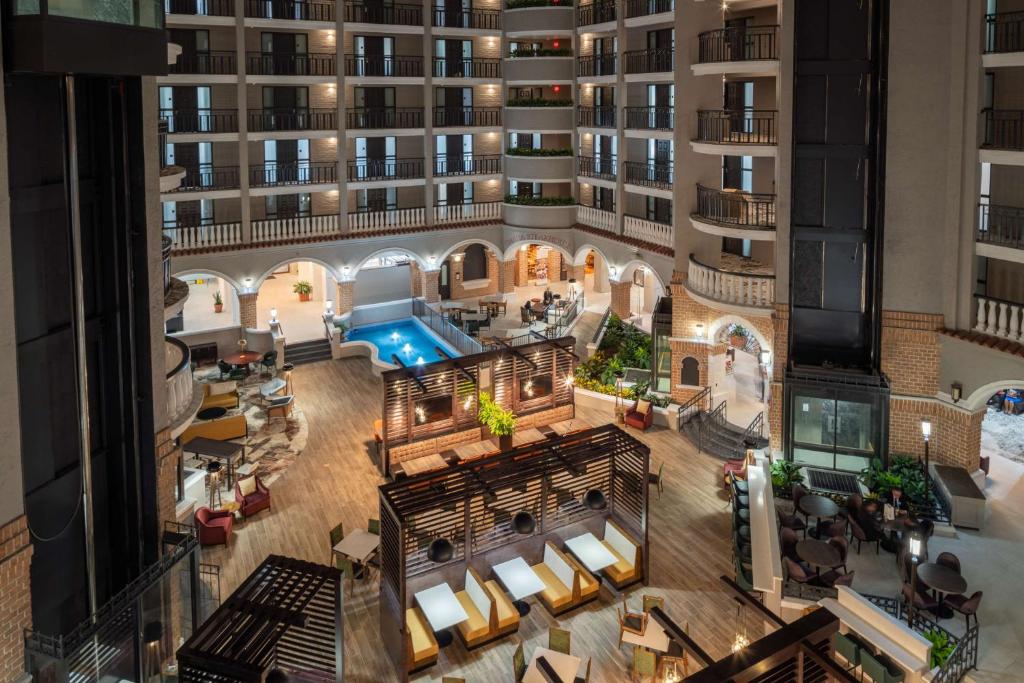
<point x="335" y="480"/>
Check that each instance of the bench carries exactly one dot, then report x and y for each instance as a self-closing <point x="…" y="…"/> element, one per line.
<point x="566" y="584"/>
<point x="420" y="641"/>
<point x="628" y="568"/>
<point x="220" y="395"/>
<point x="223" y="429"/>
<point x="966" y="500"/>
<point x="484" y="624"/>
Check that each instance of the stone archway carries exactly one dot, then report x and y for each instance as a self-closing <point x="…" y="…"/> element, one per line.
<point x="200" y="311"/>
<point x="294" y="294"/>
<point x="735" y="370"/>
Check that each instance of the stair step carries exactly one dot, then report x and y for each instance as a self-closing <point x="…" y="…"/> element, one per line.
<point x="313" y="351"/>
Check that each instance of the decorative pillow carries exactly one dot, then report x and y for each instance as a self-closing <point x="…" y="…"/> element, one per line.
<point x="643" y="406"/>
<point x="247" y="486"/>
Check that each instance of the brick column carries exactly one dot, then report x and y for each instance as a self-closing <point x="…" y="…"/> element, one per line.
<point x="247" y="309"/>
<point x="681" y="349"/>
<point x="345" y="292"/>
<point x="508" y="276"/>
<point x="431" y="280"/>
<point x="956" y="432"/>
<point x="415" y="279"/>
<point x="15" y="597"/>
<point x="780" y="358"/>
<point x="522" y="269"/>
<point x="554" y="265"/>
<point x="620" y="298"/>
<point x="579" y="273"/>
<point x="168" y="453"/>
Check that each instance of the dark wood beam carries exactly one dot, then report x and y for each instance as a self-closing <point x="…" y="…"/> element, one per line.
<point x="551" y="343"/>
<point x="681" y="637"/>
<point x="515" y="352"/>
<point x="409" y="374"/>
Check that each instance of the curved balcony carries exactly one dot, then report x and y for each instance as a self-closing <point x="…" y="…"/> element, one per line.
<point x="600" y="12"/>
<point x="380" y="66"/>
<point x="730" y="213"/>
<point x="539" y="119"/>
<point x="220" y="63"/>
<point x="538" y="21"/>
<point x="275" y="174"/>
<point x="477" y="19"/>
<point x="1004" y="39"/>
<point x="530" y="70"/>
<point x="367" y="170"/>
<point x="284" y="64"/>
<point x="183" y="399"/>
<point x="595" y="117"/>
<point x="470" y="164"/>
<point x="447" y="67"/>
<point x="650" y="118"/>
<point x="649" y="231"/>
<point x="747" y="50"/>
<point x="730" y="290"/>
<point x="202" y="237"/>
<point x="294" y="10"/>
<point x="200" y="120"/>
<point x="602" y="168"/>
<point x="596" y="218"/>
<point x="292" y="119"/>
<point x="539" y="216"/>
<point x="594" y="66"/>
<point x="743" y="132"/>
<point x="539" y="168"/>
<point x="467" y="117"/>
<point x="647" y="61"/>
<point x="649" y="174"/>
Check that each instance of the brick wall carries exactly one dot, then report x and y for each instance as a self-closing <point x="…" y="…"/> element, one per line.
<point x="911" y="353"/>
<point x="554" y="265"/>
<point x="956" y="433"/>
<point x="682" y="349"/>
<point x="620" y="298"/>
<point x="780" y="358"/>
<point x="344" y="296"/>
<point x="15" y="596"/>
<point x="247" y="309"/>
<point x="457" y="279"/>
<point x="508" y="276"/>
<point x="579" y="273"/>
<point x="431" y="280"/>
<point x="416" y="280"/>
<point x="522" y="269"/>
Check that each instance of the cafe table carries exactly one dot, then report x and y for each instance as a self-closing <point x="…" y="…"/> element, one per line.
<point x="820" y="507"/>
<point x="565" y="666"/>
<point x="653" y="638"/>
<point x="359" y="545"/>
<point x="244" y="358"/>
<point x="520" y="581"/>
<point x="442" y="610"/>
<point x="944" y="581"/>
<point x="591" y="552"/>
<point x="425" y="463"/>
<point x="818" y="554"/>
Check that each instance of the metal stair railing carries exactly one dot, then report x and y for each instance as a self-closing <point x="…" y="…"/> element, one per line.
<point x="693" y="407"/>
<point x="716" y="416"/>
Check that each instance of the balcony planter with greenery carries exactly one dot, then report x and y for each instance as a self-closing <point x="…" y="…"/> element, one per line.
<point x="304" y="289"/>
<point x="522" y="4"/>
<point x="341" y="328"/>
<point x="538" y="102"/>
<point x="539" y="152"/>
<point x="218" y="303"/>
<point x="738" y="336"/>
<point x="498" y="421"/>
<point x="539" y="201"/>
<point x="542" y="52"/>
<point x="942" y="646"/>
<point x="622" y="346"/>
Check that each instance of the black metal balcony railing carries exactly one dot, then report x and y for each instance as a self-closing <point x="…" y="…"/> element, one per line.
<point x="1001" y="225"/>
<point x="643" y="8"/>
<point x="292" y="118"/>
<point x="161" y="142"/>
<point x="595" y="117"/>
<point x="467" y="116"/>
<point x="297" y="10"/>
<point x="741" y="209"/>
<point x="1004" y="32"/>
<point x="398" y="15"/>
<point x="468" y="164"/>
<point x="650" y="118"/>
<point x="596" y="65"/>
<point x="595" y="13"/>
<point x="389" y="168"/>
<point x="487" y="19"/>
<point x="380" y="65"/>
<point x="649" y="61"/>
<point x="446" y="67"/>
<point x="166" y="244"/>
<point x="649" y="174"/>
<point x="360" y="118"/>
<point x="738" y="44"/>
<point x="273" y="173"/>
<point x="201" y="8"/>
<point x="201" y="120"/>
<point x="207" y="63"/>
<point x="290" y="64"/>
<point x="736" y="127"/>
<point x="1004" y="128"/>
<point x="207" y="177"/>
<point x="596" y="167"/>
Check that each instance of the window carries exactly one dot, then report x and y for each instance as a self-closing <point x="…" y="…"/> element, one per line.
<point x="833" y="432"/>
<point x="689" y="373"/>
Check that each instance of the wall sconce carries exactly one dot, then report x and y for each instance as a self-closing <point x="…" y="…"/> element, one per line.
<point x="328" y="307"/>
<point x="956" y="391"/>
<point x="248" y="283"/>
<point x="523" y="248"/>
<point x="766" y="357"/>
<point x="432" y="260"/>
<point x="613" y="271"/>
<point x="346" y="271"/>
<point x="273" y="316"/>
<point x="700" y="330"/>
<point x="457" y="257"/>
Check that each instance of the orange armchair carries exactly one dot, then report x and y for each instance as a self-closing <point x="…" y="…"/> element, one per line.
<point x="214" y="526"/>
<point x="254" y="501"/>
<point x="642" y="421"/>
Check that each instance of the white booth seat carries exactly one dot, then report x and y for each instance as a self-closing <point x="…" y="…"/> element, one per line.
<point x="485" y="621"/>
<point x="567" y="585"/>
<point x="628" y="567"/>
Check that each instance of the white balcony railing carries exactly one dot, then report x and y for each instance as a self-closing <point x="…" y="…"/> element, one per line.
<point x="648" y="231"/>
<point x="742" y="289"/>
<point x="458" y="213"/>
<point x="1000" y="318"/>
<point x="180" y="385"/>
<point x="596" y="218"/>
<point x="296" y="228"/>
<point x="388" y="219"/>
<point x="204" y="236"/>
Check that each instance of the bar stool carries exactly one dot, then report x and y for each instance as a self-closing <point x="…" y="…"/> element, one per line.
<point x="213" y="477"/>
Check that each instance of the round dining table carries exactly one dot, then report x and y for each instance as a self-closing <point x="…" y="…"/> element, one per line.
<point x="944" y="581"/>
<point x="244" y="358"/>
<point x="818" y="554"/>
<point x="820" y="507"/>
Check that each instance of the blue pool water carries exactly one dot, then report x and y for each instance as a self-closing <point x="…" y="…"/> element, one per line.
<point x="409" y="339"/>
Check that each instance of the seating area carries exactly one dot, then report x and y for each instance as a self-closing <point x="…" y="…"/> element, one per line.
<point x="567" y="585"/>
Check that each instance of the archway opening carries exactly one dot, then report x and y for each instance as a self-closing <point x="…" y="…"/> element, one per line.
<point x="383" y="285"/>
<point x="212" y="304"/>
<point x="644" y="291"/>
<point x="295" y="295"/>
<point x="738" y="375"/>
<point x="1002" y="434"/>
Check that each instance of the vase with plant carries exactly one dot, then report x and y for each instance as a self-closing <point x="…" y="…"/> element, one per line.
<point x="218" y="302"/>
<point x="784" y="475"/>
<point x="304" y="289"/>
<point x="738" y="336"/>
<point x="498" y="421"/>
<point x="942" y="646"/>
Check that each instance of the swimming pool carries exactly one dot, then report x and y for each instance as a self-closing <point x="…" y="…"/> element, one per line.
<point x="408" y="338"/>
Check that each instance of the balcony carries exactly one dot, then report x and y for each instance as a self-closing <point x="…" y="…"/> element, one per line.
<point x="295" y="10"/>
<point x="293" y="229"/>
<point x="647" y="8"/>
<point x="170" y="176"/>
<point x="208" y="178"/>
<point x="371" y="118"/>
<point x="290" y="64"/>
<point x="1000" y="318"/>
<point x="545" y="165"/>
<point x="649" y="174"/>
<point x="742" y="132"/>
<point x="277" y="174"/>
<point x="539" y="212"/>
<point x="469" y="164"/>
<point x="538" y="20"/>
<point x="650" y="118"/>
<point x="526" y="119"/>
<point x="204" y="63"/>
<point x="1004" y="40"/>
<point x="731" y="289"/>
<point x="201" y="237"/>
<point x="389" y="168"/>
<point x="201" y="8"/>
<point x="647" y="230"/>
<point x="467" y="117"/>
<point x="596" y="218"/>
<point x="1001" y="228"/>
<point x="730" y="213"/>
<point x="602" y="168"/>
<point x="183" y="400"/>
<point x="449" y="214"/>
<point x="200" y="120"/>
<point x="654" y="60"/>
<point x="592" y="66"/>
<point x="394" y="15"/>
<point x="166" y="246"/>
<point x="747" y="50"/>
<point x="447" y="67"/>
<point x="595" y="13"/>
<point x="478" y="19"/>
<point x="386" y="219"/>
<point x="292" y="119"/>
<point x="595" y="117"/>
<point x="372" y="66"/>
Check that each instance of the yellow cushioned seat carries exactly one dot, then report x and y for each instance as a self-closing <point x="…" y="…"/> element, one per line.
<point x="508" y="615"/>
<point x="476" y="626"/>
<point x="588" y="584"/>
<point x="555" y="594"/>
<point x="226" y="399"/>
<point x="621" y="570"/>
<point x="423" y="645"/>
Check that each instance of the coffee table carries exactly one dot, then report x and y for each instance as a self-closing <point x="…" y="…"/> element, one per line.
<point x="213" y="413"/>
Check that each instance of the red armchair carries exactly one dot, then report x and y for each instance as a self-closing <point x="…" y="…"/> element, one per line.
<point x="214" y="526"/>
<point x="251" y="503"/>
<point x="634" y="418"/>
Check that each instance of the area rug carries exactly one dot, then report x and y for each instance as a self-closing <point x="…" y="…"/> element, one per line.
<point x="1003" y="434"/>
<point x="273" y="445"/>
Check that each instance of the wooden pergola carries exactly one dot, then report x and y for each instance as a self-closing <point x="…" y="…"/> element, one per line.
<point x="285" y="615"/>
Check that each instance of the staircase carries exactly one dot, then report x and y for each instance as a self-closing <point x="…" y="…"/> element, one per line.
<point x="301" y="353"/>
<point x="712" y="433"/>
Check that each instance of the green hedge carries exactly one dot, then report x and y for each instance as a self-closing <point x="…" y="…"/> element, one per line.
<point x="539" y="103"/>
<point x="541" y="152"/>
<point x="539" y="201"/>
<point x="520" y="4"/>
<point x="542" y="52"/>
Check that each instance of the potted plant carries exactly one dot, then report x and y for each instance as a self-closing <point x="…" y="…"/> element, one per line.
<point x="218" y="302"/>
<point x="942" y="646"/>
<point x="738" y="336"/>
<point x="304" y="289"/>
<point x="784" y="474"/>
<point x="342" y="328"/>
<point x="499" y="422"/>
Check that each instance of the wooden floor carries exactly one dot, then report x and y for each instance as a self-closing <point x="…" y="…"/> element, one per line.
<point x="335" y="480"/>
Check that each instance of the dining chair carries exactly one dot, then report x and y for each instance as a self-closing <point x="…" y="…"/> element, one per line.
<point x="948" y="560"/>
<point x="796" y="571"/>
<point x="858" y="534"/>
<point x="585" y="678"/>
<point x="966" y="606"/>
<point x="792" y="522"/>
<point x="645" y="664"/>
<point x="373" y="526"/>
<point x="337" y="533"/>
<point x="634" y="622"/>
<point x="653" y="601"/>
<point x="841" y="545"/>
<point x="658" y="479"/>
<point x="798" y="493"/>
<point x="744" y="579"/>
<point x="519" y="662"/>
<point x="559" y="640"/>
<point x="848" y="650"/>
<point x="870" y="666"/>
<point x="922" y="602"/>
<point x="348" y="571"/>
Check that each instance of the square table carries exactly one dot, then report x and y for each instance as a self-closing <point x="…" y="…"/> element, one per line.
<point x="425" y="463"/>
<point x="359" y="545"/>
<point x="591" y="552"/>
<point x="473" y="451"/>
<point x="525" y="436"/>
<point x="520" y="580"/>
<point x="442" y="609"/>
<point x="654" y="637"/>
<point x="565" y="666"/>
<point x="224" y="451"/>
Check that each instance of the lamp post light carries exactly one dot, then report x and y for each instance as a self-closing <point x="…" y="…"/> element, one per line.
<point x="926" y="432"/>
<point x="620" y="407"/>
<point x="914" y="546"/>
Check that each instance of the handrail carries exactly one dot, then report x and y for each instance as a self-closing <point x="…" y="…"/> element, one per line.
<point x="1004" y="128"/>
<point x="693" y="406"/>
<point x="1001" y="225"/>
<point x="649" y="60"/>
<point x="467" y="164"/>
<point x="185" y="356"/>
<point x="487" y="19"/>
<point x="736" y="126"/>
<point x="384" y="117"/>
<point x="649" y="173"/>
<point x="747" y="209"/>
<point x="398" y="14"/>
<point x="1004" y="32"/>
<point x="650" y="118"/>
<point x="196" y="120"/>
<point x="643" y="8"/>
<point x="299" y="10"/>
<point x="598" y="12"/>
<point x="729" y="272"/>
<point x="717" y="416"/>
<point x="465" y="344"/>
<point x="291" y="118"/>
<point x="388" y="168"/>
<point x="756" y="426"/>
<point x="738" y="44"/>
<point x="597" y="167"/>
<point x="216" y="62"/>
<point x="467" y="116"/>
<point x="405" y="66"/>
<point x="595" y="117"/>
<point x="291" y="63"/>
<point x="466" y="67"/>
<point x="604" y="64"/>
